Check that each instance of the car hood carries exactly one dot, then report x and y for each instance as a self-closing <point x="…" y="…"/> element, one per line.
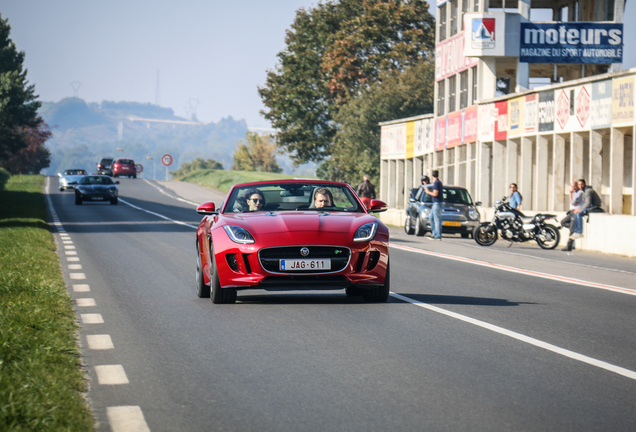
<point x="72" y="178"/>
<point x="95" y="188"/>
<point x="283" y="224"/>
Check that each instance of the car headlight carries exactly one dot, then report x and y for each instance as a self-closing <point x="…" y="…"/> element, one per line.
<point x="473" y="214"/>
<point x="238" y="234"/>
<point x="426" y="211"/>
<point x="366" y="232"/>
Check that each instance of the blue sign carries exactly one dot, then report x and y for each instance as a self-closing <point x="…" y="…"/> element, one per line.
<point x="573" y="42"/>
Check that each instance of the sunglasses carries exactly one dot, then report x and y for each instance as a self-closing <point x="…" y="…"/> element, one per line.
<point x="256" y="200"/>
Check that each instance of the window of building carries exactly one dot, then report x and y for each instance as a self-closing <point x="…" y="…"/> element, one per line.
<point x="440" y="97"/>
<point x="452" y="91"/>
<point x="463" y="89"/>
<point x="454" y="11"/>
<point x="473" y="99"/>
<point x="442" y="22"/>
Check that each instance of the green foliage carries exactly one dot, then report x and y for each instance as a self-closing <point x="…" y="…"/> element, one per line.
<point x="357" y="145"/>
<point x="258" y="154"/>
<point x="196" y="165"/>
<point x="18" y="104"/>
<point x="41" y="383"/>
<point x="334" y="53"/>
<point x="4" y="177"/>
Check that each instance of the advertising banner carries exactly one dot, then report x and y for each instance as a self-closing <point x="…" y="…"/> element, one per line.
<point x="571" y="42"/>
<point x="487" y="116"/>
<point x="470" y="125"/>
<point x="530" y="114"/>
<point x="440" y="130"/>
<point x="393" y="141"/>
<point x="422" y="138"/>
<point x="546" y="111"/>
<point x="454" y="130"/>
<point x="410" y="139"/>
<point x="515" y="116"/>
<point x="601" y="112"/>
<point x="501" y="126"/>
<point x="450" y="57"/>
<point x="623" y="101"/>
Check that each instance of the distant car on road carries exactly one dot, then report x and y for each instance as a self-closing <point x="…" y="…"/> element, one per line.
<point x="292" y="235"/>
<point x="105" y="166"/>
<point x="459" y="214"/>
<point x="68" y="178"/>
<point x="96" y="188"/>
<point x="124" y="167"/>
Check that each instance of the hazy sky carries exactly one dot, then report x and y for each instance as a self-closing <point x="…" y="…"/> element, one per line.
<point x="210" y="55"/>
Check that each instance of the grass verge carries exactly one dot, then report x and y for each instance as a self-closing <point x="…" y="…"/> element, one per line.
<point x="223" y="180"/>
<point x="41" y="382"/>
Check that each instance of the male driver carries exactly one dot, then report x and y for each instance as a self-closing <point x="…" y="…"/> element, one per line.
<point x="437" y="195"/>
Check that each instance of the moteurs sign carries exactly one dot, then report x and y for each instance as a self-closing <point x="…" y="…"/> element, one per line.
<point x="575" y="42"/>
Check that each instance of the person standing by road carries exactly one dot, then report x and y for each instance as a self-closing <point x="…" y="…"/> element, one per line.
<point x="366" y="191"/>
<point x="437" y="195"/>
<point x="515" y="197"/>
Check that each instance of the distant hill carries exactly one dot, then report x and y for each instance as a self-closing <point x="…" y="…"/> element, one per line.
<point x="83" y="133"/>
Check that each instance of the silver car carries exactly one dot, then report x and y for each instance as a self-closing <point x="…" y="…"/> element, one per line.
<point x="459" y="214"/>
<point x="69" y="178"/>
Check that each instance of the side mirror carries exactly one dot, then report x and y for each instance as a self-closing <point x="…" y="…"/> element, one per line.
<point x="59" y="174"/>
<point x="207" y="208"/>
<point x="478" y="203"/>
<point x="377" y="206"/>
<point x="116" y="181"/>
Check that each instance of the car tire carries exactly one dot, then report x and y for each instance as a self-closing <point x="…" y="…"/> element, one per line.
<point x="114" y="201"/>
<point x="134" y="176"/>
<point x="203" y="290"/>
<point x="78" y="200"/>
<point x="465" y="235"/>
<point x="380" y="294"/>
<point x="353" y="291"/>
<point x="408" y="225"/>
<point x="419" y="227"/>
<point x="61" y="189"/>
<point x="219" y="295"/>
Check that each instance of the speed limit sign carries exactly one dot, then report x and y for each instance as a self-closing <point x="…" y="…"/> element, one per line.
<point x="166" y="160"/>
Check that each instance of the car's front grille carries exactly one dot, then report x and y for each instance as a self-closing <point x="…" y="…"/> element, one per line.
<point x="270" y="257"/>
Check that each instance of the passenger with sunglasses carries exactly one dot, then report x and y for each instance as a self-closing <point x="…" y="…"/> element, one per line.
<point x="255" y="200"/>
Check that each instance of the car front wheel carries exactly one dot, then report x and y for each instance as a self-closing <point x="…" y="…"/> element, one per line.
<point x="380" y="294"/>
<point x="203" y="290"/>
<point x="218" y="295"/>
<point x="419" y="227"/>
<point x="78" y="200"/>
<point x="408" y="226"/>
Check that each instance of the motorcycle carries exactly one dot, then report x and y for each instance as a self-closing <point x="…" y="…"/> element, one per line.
<point x="514" y="226"/>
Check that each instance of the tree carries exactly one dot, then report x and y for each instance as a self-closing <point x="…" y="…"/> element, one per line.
<point x="357" y="145"/>
<point x="197" y="164"/>
<point x="18" y="104"/>
<point x="334" y="53"/>
<point x="35" y="156"/>
<point x="258" y="154"/>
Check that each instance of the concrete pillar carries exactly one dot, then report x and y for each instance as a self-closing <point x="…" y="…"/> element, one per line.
<point x="409" y="178"/>
<point x="499" y="181"/>
<point x="525" y="174"/>
<point x="400" y="175"/>
<point x="576" y="157"/>
<point x="484" y="168"/>
<point x="558" y="199"/>
<point x="523" y="77"/>
<point x="617" y="171"/>
<point x="512" y="156"/>
<point x="596" y="162"/>
<point x="487" y="87"/>
<point x="540" y="198"/>
<point x="384" y="180"/>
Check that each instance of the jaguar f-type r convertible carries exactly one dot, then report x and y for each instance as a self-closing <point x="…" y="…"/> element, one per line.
<point x="292" y="235"/>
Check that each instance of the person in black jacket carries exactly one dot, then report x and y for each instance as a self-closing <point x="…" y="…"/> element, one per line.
<point x="366" y="191"/>
<point x="591" y="203"/>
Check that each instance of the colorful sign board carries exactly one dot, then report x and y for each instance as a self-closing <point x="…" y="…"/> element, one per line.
<point x="450" y="57"/>
<point x="571" y="42"/>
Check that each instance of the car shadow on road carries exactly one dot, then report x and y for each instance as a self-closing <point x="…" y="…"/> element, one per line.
<point x="461" y="300"/>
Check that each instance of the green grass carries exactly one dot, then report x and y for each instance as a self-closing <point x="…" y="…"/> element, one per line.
<point x="41" y="382"/>
<point x="223" y="180"/>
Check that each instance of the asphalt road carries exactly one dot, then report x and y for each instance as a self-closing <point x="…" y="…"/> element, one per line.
<point x="481" y="339"/>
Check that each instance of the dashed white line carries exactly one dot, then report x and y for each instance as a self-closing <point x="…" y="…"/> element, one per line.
<point x="74" y="266"/>
<point x="81" y="288"/>
<point x="93" y="318"/>
<point x="111" y="375"/>
<point x="86" y="302"/>
<point x="70" y="252"/>
<point x="99" y="342"/>
<point x="77" y="276"/>
<point x="127" y="419"/>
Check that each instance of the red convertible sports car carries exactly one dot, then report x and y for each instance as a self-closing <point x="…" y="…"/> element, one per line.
<point x="292" y="235"/>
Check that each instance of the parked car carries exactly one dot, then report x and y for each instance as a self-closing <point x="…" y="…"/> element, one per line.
<point x="96" y="188"/>
<point x="124" y="167"/>
<point x="292" y="235"/>
<point x="459" y="214"/>
<point x="105" y="166"/>
<point x="68" y="178"/>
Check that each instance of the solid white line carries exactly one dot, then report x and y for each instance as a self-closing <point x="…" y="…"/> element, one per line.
<point x="171" y="196"/>
<point x="502" y="267"/>
<point x="523" y="338"/>
<point x="111" y="375"/>
<point x="127" y="419"/>
<point x="99" y="342"/>
<point x="93" y="318"/>
<point x="157" y="214"/>
<point x="86" y="302"/>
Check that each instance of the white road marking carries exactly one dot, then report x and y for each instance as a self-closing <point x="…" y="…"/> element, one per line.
<point x="86" y="302"/>
<point x="171" y="196"/>
<point x="70" y="252"/>
<point x="77" y="276"/>
<point x="67" y="242"/>
<point x="81" y="288"/>
<point x="127" y="419"/>
<point x="69" y="247"/>
<point x="72" y="259"/>
<point x="93" y="318"/>
<point x="523" y="338"/>
<point x="157" y="214"/>
<point x="99" y="342"/>
<point x="74" y="266"/>
<point x="501" y="267"/>
<point x="111" y="375"/>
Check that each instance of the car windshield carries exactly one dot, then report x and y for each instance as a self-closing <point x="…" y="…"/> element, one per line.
<point x="293" y="196"/>
<point x="125" y="162"/>
<point x="96" y="180"/>
<point x="451" y="196"/>
<point x="75" y="172"/>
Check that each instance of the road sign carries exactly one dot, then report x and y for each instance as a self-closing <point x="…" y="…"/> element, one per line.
<point x="139" y="168"/>
<point x="166" y="160"/>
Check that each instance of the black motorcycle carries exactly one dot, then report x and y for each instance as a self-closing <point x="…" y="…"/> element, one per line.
<point x="514" y="226"/>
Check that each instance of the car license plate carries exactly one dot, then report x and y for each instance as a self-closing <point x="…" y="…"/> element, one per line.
<point x="451" y="223"/>
<point x="97" y="198"/>
<point x="305" y="264"/>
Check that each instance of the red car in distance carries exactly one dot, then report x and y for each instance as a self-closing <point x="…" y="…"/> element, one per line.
<point x="292" y="235"/>
<point x="124" y="167"/>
